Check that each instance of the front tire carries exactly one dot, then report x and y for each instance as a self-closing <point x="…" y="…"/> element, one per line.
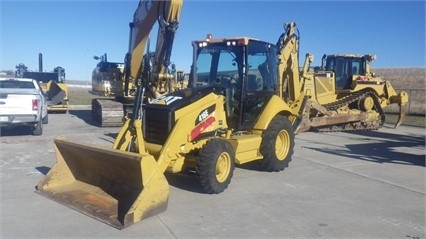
<point x="277" y="145"/>
<point x="215" y="165"/>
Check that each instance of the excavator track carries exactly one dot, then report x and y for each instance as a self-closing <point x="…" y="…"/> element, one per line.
<point x="354" y="100"/>
<point x="110" y="112"/>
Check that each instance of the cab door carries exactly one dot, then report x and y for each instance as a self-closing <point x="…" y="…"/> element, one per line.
<point x="259" y="82"/>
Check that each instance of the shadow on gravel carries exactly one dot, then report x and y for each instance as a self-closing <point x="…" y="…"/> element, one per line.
<point x="185" y="181"/>
<point x="253" y="166"/>
<point x="112" y="135"/>
<point x="43" y="169"/>
<point x="85" y="115"/>
<point x="391" y="148"/>
<point x="16" y="131"/>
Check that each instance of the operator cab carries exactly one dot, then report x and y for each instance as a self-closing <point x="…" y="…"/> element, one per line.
<point x="245" y="68"/>
<point x="345" y="68"/>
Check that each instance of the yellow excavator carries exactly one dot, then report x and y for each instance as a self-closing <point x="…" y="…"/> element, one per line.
<point x="121" y="80"/>
<point x="239" y="107"/>
<point x="107" y="77"/>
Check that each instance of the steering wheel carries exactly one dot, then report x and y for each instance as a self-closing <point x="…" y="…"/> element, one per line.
<point x="225" y="80"/>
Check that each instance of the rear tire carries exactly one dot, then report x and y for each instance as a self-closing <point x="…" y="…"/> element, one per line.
<point x="215" y="165"/>
<point x="277" y="145"/>
<point x="38" y="128"/>
<point x="46" y="119"/>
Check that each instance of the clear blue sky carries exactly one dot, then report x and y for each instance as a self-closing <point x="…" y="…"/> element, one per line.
<point x="70" y="33"/>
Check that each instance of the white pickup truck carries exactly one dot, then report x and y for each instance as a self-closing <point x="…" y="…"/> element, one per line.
<point x="22" y="103"/>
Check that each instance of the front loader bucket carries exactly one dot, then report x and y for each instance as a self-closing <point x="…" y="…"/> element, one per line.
<point x="55" y="93"/>
<point x="116" y="187"/>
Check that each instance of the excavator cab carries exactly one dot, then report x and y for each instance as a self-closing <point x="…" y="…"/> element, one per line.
<point x="246" y="70"/>
<point x="106" y="77"/>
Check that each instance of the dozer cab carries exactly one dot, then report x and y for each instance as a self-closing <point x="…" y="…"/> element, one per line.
<point x="231" y="113"/>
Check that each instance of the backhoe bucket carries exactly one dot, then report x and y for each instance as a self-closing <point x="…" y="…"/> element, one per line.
<point x="116" y="187"/>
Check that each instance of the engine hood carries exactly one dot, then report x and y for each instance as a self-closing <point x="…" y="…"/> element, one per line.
<point x="182" y="98"/>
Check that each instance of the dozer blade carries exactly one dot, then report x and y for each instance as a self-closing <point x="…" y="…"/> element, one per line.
<point x="116" y="187"/>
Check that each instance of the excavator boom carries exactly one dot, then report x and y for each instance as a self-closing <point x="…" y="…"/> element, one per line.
<point x="167" y="14"/>
<point x="140" y="64"/>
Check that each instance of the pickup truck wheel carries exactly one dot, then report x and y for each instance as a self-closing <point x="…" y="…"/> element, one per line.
<point x="38" y="129"/>
<point x="46" y="119"/>
<point x="277" y="145"/>
<point x="215" y="165"/>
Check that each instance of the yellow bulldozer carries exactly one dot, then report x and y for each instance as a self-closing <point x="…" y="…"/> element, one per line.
<point x="239" y="107"/>
<point x="345" y="95"/>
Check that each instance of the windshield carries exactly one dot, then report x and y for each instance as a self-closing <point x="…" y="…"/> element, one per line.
<point x="346" y="65"/>
<point x="345" y="68"/>
<point x="262" y="67"/>
<point x="17" y="84"/>
<point x="217" y="63"/>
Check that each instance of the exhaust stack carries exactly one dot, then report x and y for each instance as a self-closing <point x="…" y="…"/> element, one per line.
<point x="40" y="62"/>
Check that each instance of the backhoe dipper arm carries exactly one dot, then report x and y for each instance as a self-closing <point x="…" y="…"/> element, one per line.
<point x="147" y="13"/>
<point x="288" y="55"/>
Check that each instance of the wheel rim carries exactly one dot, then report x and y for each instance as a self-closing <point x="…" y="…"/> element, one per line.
<point x="282" y="144"/>
<point x="223" y="167"/>
<point x="368" y="103"/>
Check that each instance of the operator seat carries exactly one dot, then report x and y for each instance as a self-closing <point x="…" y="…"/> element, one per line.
<point x="252" y="84"/>
<point x="355" y="70"/>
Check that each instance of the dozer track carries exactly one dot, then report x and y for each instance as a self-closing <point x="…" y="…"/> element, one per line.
<point x="354" y="100"/>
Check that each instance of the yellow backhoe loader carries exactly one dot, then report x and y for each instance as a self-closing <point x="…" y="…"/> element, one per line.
<point x="218" y="121"/>
<point x="239" y="107"/>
